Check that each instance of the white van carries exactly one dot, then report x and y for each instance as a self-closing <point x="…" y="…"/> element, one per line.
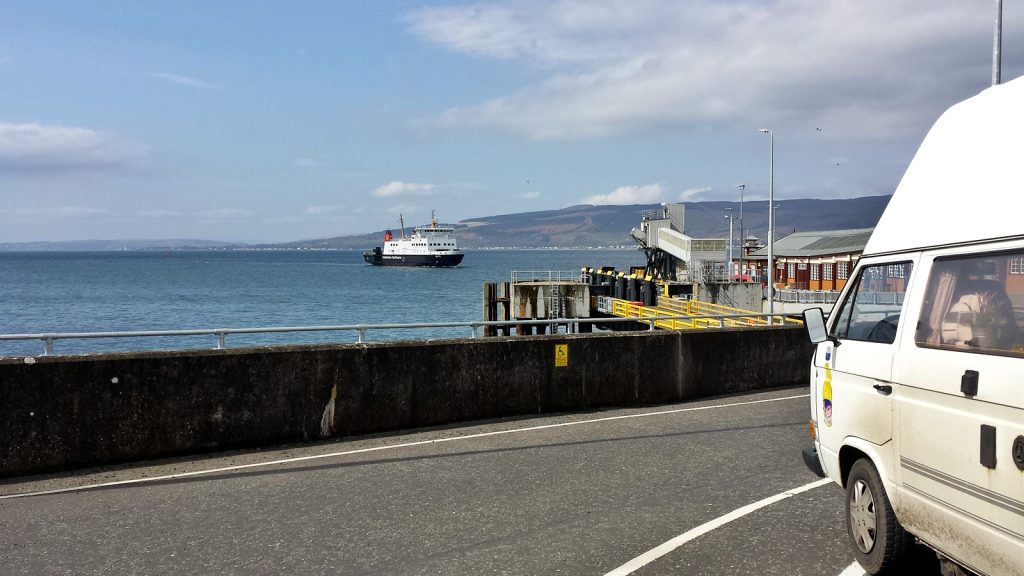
<point x="917" y="381"/>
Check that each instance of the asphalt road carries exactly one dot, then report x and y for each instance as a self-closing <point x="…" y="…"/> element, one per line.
<point x="567" y="494"/>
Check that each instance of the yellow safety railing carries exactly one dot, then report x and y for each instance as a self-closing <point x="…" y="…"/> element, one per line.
<point x="672" y="307"/>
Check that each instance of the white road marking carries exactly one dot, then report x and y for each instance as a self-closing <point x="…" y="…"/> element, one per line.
<point x="655" y="553"/>
<point x="389" y="447"/>
<point x="853" y="570"/>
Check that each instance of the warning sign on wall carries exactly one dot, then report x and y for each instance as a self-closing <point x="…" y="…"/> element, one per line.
<point x="561" y="355"/>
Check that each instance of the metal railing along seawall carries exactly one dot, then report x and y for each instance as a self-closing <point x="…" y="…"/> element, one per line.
<point x="80" y="411"/>
<point x="362" y="331"/>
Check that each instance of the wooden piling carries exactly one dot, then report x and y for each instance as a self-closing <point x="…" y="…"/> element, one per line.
<point x="505" y="306"/>
<point x="490" y="307"/>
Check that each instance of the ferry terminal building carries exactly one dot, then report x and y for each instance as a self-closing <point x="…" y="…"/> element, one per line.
<point x="813" y="260"/>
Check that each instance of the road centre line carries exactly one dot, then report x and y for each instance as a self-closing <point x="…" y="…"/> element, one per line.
<point x="655" y="553"/>
<point x="389" y="447"/>
<point x="853" y="570"/>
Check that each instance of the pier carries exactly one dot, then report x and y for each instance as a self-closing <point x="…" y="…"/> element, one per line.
<point x="577" y="302"/>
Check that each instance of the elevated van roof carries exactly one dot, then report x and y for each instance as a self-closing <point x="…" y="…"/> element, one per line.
<point x="966" y="182"/>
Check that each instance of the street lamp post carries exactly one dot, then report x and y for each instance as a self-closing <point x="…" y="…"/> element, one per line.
<point x="771" y="222"/>
<point x="730" y="218"/>
<point x="743" y="238"/>
<point x="997" y="44"/>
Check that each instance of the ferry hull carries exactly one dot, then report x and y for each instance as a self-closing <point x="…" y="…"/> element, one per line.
<point x="424" y="260"/>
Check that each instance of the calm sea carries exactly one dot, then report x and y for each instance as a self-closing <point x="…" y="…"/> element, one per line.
<point x="129" y="291"/>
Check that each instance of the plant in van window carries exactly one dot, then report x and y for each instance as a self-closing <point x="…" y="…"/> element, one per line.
<point x="989" y="324"/>
<point x="985" y="314"/>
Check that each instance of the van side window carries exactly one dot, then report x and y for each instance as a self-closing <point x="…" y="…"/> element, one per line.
<point x="975" y="304"/>
<point x="871" y="311"/>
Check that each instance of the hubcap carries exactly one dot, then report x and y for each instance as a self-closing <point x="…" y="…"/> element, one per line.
<point x="862" y="516"/>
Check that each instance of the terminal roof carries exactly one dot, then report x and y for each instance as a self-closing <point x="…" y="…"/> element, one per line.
<point x="824" y="243"/>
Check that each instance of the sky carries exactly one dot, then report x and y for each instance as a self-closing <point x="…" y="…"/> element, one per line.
<point x="276" y="121"/>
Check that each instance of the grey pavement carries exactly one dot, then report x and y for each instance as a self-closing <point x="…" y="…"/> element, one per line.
<point x="578" y="499"/>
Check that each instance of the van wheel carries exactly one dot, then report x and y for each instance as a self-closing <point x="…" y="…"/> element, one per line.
<point x="879" y="542"/>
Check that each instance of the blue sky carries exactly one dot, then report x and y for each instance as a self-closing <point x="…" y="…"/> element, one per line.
<point x="274" y="121"/>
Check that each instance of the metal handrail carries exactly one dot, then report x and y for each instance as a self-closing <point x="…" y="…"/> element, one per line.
<point x="546" y="276"/>
<point x="49" y="338"/>
<point x="831" y="296"/>
<point x="807" y="296"/>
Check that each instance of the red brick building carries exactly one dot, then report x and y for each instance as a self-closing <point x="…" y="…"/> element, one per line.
<point x="814" y="260"/>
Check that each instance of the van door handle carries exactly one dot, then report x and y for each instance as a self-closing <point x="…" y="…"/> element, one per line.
<point x="883" y="389"/>
<point x="969" y="383"/>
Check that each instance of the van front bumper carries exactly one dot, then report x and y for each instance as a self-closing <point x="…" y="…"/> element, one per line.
<point x="811" y="460"/>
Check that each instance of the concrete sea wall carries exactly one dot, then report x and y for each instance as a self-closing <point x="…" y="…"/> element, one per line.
<point x="61" y="413"/>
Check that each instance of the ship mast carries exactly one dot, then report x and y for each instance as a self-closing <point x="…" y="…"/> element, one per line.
<point x="401" y="221"/>
<point x="433" y="220"/>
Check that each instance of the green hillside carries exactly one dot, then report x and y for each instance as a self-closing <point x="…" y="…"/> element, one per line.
<point x="595" y="226"/>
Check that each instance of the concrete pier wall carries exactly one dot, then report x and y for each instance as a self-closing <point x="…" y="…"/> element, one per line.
<point x="64" y="413"/>
<point x="744" y="295"/>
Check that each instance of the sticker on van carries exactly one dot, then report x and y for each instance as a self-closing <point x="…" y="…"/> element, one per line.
<point x="826" y="395"/>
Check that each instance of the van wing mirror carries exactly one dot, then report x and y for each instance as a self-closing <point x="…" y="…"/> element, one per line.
<point x="814" y="321"/>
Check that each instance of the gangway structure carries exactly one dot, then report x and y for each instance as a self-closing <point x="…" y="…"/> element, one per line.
<point x="672" y="254"/>
<point x="696" y="314"/>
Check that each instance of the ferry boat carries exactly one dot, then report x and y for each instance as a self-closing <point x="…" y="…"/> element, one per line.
<point x="433" y="245"/>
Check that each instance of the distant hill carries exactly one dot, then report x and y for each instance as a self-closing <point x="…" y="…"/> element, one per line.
<point x="598" y="226"/>
<point x="573" y="227"/>
<point x="114" y="245"/>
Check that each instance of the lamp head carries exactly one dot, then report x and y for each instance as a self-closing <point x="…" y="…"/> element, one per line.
<point x="765" y="131"/>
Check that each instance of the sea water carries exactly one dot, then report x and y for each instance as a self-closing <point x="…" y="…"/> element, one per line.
<point x="63" y="292"/>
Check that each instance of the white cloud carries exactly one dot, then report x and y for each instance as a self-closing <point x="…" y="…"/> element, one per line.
<point x="35" y="146"/>
<point x="227" y="213"/>
<point x="60" y="212"/>
<point x="307" y="163"/>
<point x="182" y="80"/>
<point x="403" y="209"/>
<point x="530" y="195"/>
<point x="159" y="214"/>
<point x="692" y="194"/>
<point x="872" y="68"/>
<point x="548" y="32"/>
<point x="647" y="194"/>
<point x="396" y="188"/>
<point x="492" y="30"/>
<point x="321" y="210"/>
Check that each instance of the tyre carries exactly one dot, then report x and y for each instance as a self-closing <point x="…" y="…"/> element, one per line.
<point x="880" y="544"/>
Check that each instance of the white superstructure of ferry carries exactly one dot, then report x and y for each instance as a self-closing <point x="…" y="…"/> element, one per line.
<point x="433" y="245"/>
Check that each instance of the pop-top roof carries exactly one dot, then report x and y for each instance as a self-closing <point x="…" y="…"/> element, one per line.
<point x="965" y="182"/>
